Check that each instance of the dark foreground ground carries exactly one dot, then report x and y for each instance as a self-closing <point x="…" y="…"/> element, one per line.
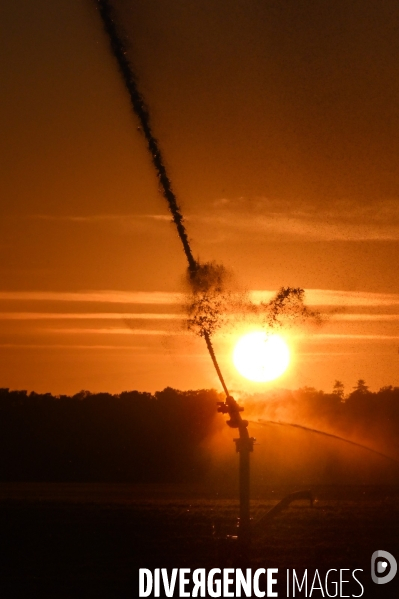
<point x="63" y="540"/>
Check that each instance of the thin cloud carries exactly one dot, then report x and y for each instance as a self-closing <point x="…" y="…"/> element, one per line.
<point x="108" y="331"/>
<point x="345" y="337"/>
<point x="116" y="223"/>
<point x="365" y="317"/>
<point x="138" y="348"/>
<point x="87" y="316"/>
<point x="101" y="296"/>
<point x="327" y="353"/>
<point x="335" y="298"/>
<point x="328" y="297"/>
<point x="98" y="218"/>
<point x="340" y="221"/>
<point x="314" y="297"/>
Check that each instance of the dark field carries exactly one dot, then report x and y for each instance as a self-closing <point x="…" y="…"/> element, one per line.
<point x="77" y="540"/>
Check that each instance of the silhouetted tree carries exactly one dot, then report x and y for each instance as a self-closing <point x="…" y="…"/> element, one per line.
<point x="361" y="387"/>
<point x="339" y="389"/>
<point x="140" y="437"/>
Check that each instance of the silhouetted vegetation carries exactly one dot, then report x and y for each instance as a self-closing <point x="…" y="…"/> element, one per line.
<point x="362" y="416"/>
<point x="140" y="437"/>
<point x="101" y="437"/>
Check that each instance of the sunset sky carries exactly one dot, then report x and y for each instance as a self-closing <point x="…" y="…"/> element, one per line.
<point x="279" y="124"/>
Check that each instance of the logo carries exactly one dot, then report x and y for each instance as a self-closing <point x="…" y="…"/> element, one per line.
<point x="383" y="567"/>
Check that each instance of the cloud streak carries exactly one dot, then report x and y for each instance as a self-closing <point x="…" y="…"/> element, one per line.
<point x="341" y="308"/>
<point x="340" y="221"/>
<point x="314" y="297"/>
<point x="334" y="298"/>
<point x="101" y="218"/>
<point x="87" y="316"/>
<point x="101" y="296"/>
<point x="344" y="337"/>
<point x="365" y="317"/>
<point x="109" y="331"/>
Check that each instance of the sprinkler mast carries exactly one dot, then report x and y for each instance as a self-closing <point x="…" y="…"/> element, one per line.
<point x="244" y="446"/>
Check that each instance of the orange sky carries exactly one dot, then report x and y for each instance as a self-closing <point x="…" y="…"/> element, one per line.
<point x="279" y="123"/>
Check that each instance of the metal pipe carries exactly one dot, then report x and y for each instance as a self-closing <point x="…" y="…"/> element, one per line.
<point x="244" y="446"/>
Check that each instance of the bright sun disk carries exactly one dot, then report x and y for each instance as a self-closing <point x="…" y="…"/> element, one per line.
<point x="261" y="357"/>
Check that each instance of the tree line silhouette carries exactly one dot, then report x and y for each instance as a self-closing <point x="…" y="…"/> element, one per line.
<point x="160" y="437"/>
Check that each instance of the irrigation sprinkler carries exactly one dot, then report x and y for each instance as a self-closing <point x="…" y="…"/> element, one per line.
<point x="244" y="446"/>
<point x="244" y="443"/>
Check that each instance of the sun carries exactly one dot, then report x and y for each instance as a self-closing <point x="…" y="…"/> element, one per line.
<point x="261" y="357"/>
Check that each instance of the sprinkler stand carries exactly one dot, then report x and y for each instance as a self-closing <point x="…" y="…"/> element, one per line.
<point x="244" y="446"/>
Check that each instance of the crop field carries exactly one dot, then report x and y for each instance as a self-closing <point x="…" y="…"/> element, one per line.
<point x="78" y="540"/>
